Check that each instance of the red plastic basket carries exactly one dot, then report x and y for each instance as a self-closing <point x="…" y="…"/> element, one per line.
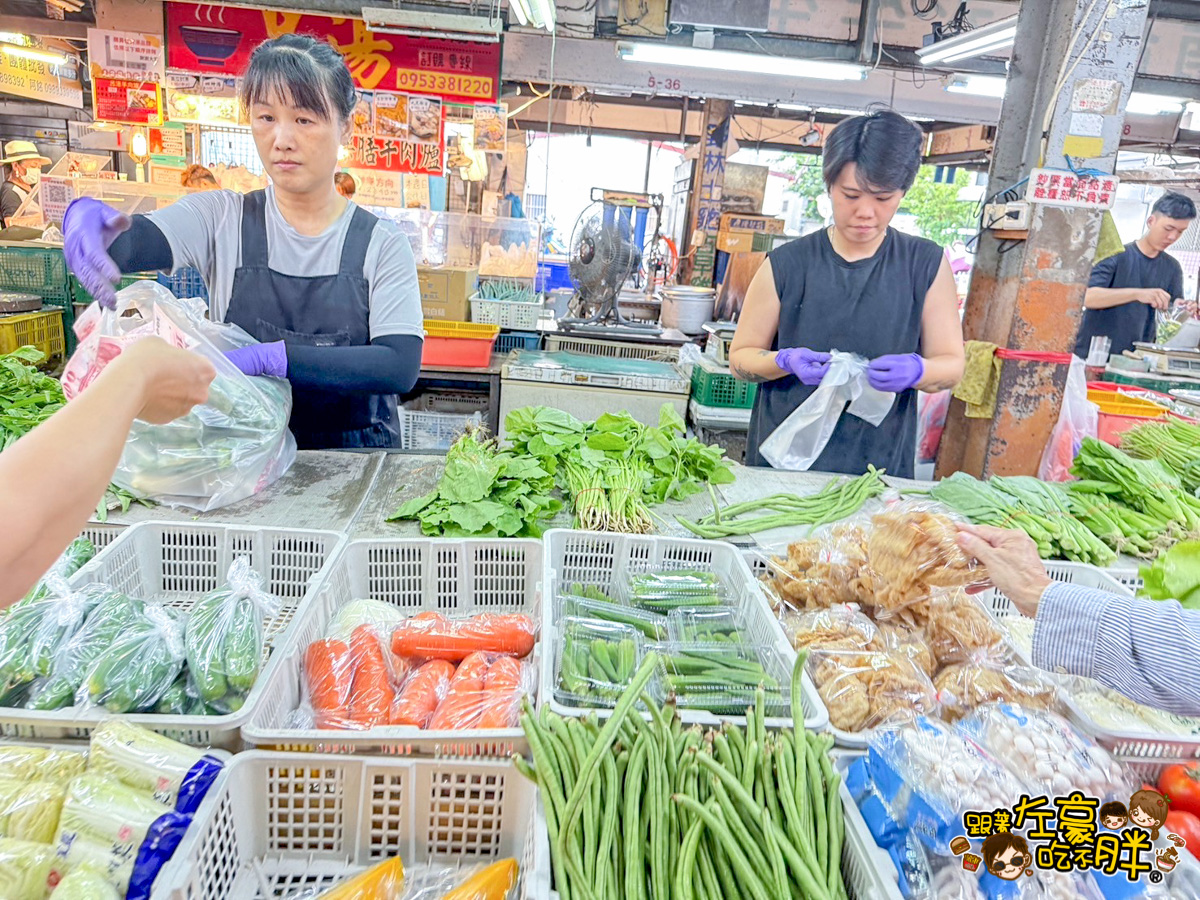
<point x="466" y="344"/>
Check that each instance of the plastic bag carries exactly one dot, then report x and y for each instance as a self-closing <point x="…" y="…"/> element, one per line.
<point x="29" y="809"/>
<point x="1079" y="418"/>
<point x="108" y="619"/>
<point x="170" y="772"/>
<point x="930" y="774"/>
<point x="1046" y="753"/>
<point x="41" y="763"/>
<point x="384" y="616"/>
<point x="17" y="628"/>
<point x="385" y="879"/>
<point x="596" y="661"/>
<point x="485" y="692"/>
<point x="85" y="882"/>
<point x="156" y="849"/>
<point x="931" y="422"/>
<point x="104" y="822"/>
<point x="966" y="686"/>
<point x="838" y="627"/>
<point x="959" y="628"/>
<point x="61" y="622"/>
<point x="224" y="637"/>
<point x="79" y="553"/>
<point x="864" y="689"/>
<point x="802" y="436"/>
<point x="662" y="592"/>
<point x="228" y="449"/>
<point x="913" y="554"/>
<point x="140" y="664"/>
<point x="431" y="635"/>
<point x="821" y="571"/>
<point x="24" y="868"/>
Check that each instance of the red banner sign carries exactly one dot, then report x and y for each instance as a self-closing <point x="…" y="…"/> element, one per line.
<point x="391" y="155"/>
<point x="204" y="37"/>
<point x="132" y="102"/>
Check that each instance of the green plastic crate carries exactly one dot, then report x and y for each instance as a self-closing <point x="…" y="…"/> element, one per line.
<point x="80" y="294"/>
<point x="721" y="389"/>
<point x="35" y="270"/>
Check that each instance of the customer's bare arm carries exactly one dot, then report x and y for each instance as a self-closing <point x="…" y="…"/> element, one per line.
<point x="54" y="476"/>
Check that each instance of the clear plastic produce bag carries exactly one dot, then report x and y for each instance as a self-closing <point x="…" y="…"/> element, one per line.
<point x="225" y="450"/>
<point x="964" y="687"/>
<point x="29" y="809"/>
<point x="167" y="770"/>
<point x="224" y="638"/>
<point x="138" y="667"/>
<point x="820" y="571"/>
<point x="865" y="689"/>
<point x="1079" y="418"/>
<point x="24" y="868"/>
<point x="802" y="437"/>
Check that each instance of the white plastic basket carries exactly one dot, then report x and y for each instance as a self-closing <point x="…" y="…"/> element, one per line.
<point x="612" y="349"/>
<point x="607" y="561"/>
<point x="1064" y="573"/>
<point x="176" y="564"/>
<point x="449" y="576"/>
<point x="719" y="417"/>
<point x="505" y="313"/>
<point x="421" y="430"/>
<point x="281" y="822"/>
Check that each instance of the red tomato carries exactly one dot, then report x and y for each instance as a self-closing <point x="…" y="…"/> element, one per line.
<point x="1182" y="784"/>
<point x="1187" y="827"/>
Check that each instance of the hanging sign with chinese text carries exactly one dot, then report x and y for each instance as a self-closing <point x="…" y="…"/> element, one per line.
<point x="205" y="37"/>
<point x="127" y="71"/>
<point x="1055" y="187"/>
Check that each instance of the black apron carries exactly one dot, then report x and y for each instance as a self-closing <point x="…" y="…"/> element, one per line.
<point x="871" y="307"/>
<point x="322" y="311"/>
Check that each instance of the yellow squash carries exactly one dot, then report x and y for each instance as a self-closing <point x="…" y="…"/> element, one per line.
<point x="384" y="881"/>
<point x="492" y="883"/>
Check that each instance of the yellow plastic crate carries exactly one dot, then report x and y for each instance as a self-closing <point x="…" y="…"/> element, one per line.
<point x="43" y="330"/>
<point x="470" y="330"/>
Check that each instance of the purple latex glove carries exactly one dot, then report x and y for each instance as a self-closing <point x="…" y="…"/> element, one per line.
<point x="89" y="228"/>
<point x="807" y="365"/>
<point x="897" y="372"/>
<point x="260" y="359"/>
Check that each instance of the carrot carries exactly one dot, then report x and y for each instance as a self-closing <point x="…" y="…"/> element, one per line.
<point x="463" y="704"/>
<point x="422" y="693"/>
<point x="503" y="692"/>
<point x="371" y="696"/>
<point x="329" y="674"/>
<point x="510" y="634"/>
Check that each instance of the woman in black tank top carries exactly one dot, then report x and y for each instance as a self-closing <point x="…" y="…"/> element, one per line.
<point x="858" y="287"/>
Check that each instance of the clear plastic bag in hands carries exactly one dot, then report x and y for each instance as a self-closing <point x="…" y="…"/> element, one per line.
<point x="913" y="554"/>
<point x="1046" y="753"/>
<point x="820" y="571"/>
<point x="865" y="689"/>
<point x="224" y="638"/>
<point x="225" y="450"/>
<point x="802" y="436"/>
<point x="141" y="663"/>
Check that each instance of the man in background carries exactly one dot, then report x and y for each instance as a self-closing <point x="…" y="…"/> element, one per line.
<point x="22" y="169"/>
<point x="344" y="182"/>
<point x="1128" y="289"/>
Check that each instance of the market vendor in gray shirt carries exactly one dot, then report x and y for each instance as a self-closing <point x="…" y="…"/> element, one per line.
<point x="1126" y="290"/>
<point x="328" y="288"/>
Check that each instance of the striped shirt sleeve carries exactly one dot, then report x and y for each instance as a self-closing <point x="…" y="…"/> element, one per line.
<point x="1148" y="650"/>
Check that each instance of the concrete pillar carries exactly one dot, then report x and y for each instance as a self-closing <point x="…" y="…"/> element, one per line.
<point x="1030" y="296"/>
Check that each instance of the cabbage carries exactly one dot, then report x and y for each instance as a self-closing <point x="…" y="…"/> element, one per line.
<point x="30" y="810"/>
<point x="85" y="882"/>
<point x="84" y="852"/>
<point x="384" y="616"/>
<point x="40" y="764"/>
<point x="24" y="868"/>
<point x="108" y="812"/>
<point x="141" y="759"/>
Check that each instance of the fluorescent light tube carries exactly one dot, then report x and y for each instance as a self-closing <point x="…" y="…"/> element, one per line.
<point x="401" y="21"/>
<point x="54" y="59"/>
<point x="1143" y="104"/>
<point x="977" y="85"/>
<point x="976" y="42"/>
<point x="730" y="61"/>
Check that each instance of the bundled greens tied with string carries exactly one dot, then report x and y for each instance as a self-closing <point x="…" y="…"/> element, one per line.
<point x="613" y="469"/>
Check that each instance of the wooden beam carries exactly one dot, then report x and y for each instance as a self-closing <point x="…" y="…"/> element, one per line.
<point x="71" y="29"/>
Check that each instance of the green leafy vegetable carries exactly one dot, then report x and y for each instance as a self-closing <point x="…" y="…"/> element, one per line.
<point x="1175" y="575"/>
<point x="484" y="491"/>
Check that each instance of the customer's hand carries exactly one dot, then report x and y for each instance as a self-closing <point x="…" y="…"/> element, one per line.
<point x="1156" y="297"/>
<point x="1012" y="562"/>
<point x="89" y="228"/>
<point x="807" y="365"/>
<point x="896" y="372"/>
<point x="261" y="359"/>
<point x="170" y="381"/>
